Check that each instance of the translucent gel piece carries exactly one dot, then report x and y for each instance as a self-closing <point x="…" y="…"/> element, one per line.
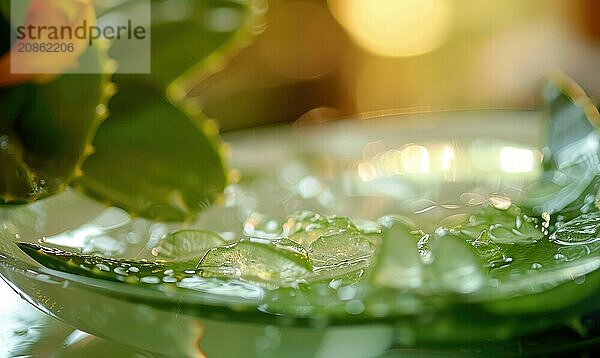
<point x="271" y="264"/>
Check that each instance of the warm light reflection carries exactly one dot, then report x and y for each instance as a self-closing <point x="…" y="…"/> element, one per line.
<point x="445" y="160"/>
<point x="415" y="159"/>
<point x="394" y="28"/>
<point x="516" y="160"/>
<point x="366" y="171"/>
<point x="446" y="157"/>
<point x="411" y="159"/>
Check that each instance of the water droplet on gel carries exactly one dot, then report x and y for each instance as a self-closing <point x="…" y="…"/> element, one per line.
<point x="500" y="202"/>
<point x="335" y="284"/>
<point x="559" y="257"/>
<point x="536" y="266"/>
<point x="103" y="267"/>
<point x="472" y="199"/>
<point x="501" y="262"/>
<point x="150" y="279"/>
<point x="518" y="221"/>
<point x="83" y="267"/>
<point x="441" y="231"/>
<point x="120" y="271"/>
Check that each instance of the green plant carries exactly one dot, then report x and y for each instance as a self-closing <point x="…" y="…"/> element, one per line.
<point x="128" y="140"/>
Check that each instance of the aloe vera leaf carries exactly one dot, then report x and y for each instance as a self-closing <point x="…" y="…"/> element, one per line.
<point x="16" y="177"/>
<point x="572" y="116"/>
<point x="96" y="267"/>
<point x="572" y="179"/>
<point x="53" y="127"/>
<point x="155" y="156"/>
<point x="154" y="160"/>
<point x="556" y="295"/>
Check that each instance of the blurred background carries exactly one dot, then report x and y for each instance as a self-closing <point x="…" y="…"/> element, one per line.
<point x="322" y="60"/>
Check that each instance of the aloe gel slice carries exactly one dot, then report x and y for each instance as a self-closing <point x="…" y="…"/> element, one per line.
<point x="268" y="263"/>
<point x="398" y="263"/>
<point x="455" y="266"/>
<point x="182" y="245"/>
<point x="340" y="249"/>
<point x="307" y="226"/>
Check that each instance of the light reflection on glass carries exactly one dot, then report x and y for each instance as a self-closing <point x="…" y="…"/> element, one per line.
<point x="366" y="171"/>
<point x="411" y="159"/>
<point x="516" y="160"/>
<point x="8" y="304"/>
<point x="415" y="159"/>
<point x="445" y="160"/>
<point x="447" y="157"/>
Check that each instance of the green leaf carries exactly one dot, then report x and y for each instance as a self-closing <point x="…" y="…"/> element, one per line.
<point x="154" y="160"/>
<point x="47" y="129"/>
<point x="16" y="177"/>
<point x="96" y="267"/>
<point x="554" y="299"/>
<point x="572" y="180"/>
<point x="156" y="157"/>
<point x="572" y="116"/>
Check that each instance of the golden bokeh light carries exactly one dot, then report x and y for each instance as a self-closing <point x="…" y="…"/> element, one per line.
<point x="415" y="159"/>
<point x="394" y="28"/>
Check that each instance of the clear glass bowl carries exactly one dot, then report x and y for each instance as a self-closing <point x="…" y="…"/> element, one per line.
<point x="424" y="166"/>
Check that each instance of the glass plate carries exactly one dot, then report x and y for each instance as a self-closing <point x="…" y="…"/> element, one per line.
<point x="424" y="166"/>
